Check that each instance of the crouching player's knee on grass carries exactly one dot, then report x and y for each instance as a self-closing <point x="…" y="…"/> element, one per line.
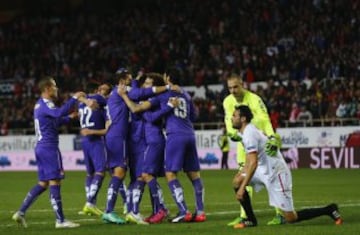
<point x="239" y="96"/>
<point x="271" y="172"/>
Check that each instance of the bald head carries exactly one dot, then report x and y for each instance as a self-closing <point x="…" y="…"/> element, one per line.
<point x="235" y="86"/>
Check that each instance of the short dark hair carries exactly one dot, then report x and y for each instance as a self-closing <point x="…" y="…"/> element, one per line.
<point x="142" y="80"/>
<point x="121" y="74"/>
<point x="157" y="78"/>
<point x="91" y="87"/>
<point x="245" y="112"/>
<point x="174" y="76"/>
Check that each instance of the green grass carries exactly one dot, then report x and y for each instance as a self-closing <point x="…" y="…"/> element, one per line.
<point x="311" y="188"/>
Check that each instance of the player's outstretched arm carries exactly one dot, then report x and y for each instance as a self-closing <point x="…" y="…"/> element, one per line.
<point x="155" y="116"/>
<point x="161" y="89"/>
<point x="86" y="132"/>
<point x="134" y="107"/>
<point x="55" y="112"/>
<point x="91" y="103"/>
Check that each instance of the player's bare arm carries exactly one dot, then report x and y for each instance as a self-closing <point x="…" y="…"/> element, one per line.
<point x="86" y="132"/>
<point x="91" y="103"/>
<point x="173" y="102"/>
<point x="134" y="107"/>
<point x="248" y="172"/>
<point x="161" y="89"/>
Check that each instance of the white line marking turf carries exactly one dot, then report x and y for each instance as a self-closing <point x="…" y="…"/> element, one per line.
<point x="353" y="204"/>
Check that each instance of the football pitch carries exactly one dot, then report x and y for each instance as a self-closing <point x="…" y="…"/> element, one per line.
<point x="310" y="188"/>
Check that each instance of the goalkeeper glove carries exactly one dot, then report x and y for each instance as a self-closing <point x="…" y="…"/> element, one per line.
<point x="273" y="145"/>
<point x="234" y="137"/>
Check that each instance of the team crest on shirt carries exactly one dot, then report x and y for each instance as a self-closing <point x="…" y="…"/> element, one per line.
<point x="37" y="106"/>
<point x="50" y="104"/>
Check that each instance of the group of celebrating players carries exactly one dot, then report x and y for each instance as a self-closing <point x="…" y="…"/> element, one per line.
<point x="116" y="139"/>
<point x="122" y="128"/>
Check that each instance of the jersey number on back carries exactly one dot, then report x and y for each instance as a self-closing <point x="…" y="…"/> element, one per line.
<point x="181" y="110"/>
<point x="85" y="115"/>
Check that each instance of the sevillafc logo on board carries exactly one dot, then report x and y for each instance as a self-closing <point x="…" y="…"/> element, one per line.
<point x="322" y="157"/>
<point x="207" y="140"/>
<point x="296" y="138"/>
<point x="18" y="144"/>
<point x="325" y="158"/>
<point x="324" y="138"/>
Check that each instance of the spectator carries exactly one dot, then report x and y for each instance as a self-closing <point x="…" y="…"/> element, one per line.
<point x="341" y="111"/>
<point x="304" y="117"/>
<point x="309" y="43"/>
<point x="294" y="113"/>
<point x="4" y="129"/>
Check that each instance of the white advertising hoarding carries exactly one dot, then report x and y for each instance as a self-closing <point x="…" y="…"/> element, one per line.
<point x="21" y="143"/>
<point x="16" y="152"/>
<point x="299" y="137"/>
<point x="25" y="161"/>
<point x="315" y="136"/>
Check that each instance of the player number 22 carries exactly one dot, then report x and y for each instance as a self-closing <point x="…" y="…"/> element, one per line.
<point x="85" y="115"/>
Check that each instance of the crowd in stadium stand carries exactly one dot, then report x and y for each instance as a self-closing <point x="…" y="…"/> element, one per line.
<point x="307" y="52"/>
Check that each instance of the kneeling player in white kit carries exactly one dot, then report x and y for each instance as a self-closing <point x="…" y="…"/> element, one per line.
<point x="272" y="172"/>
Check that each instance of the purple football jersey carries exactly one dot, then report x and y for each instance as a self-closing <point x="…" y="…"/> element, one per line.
<point x="137" y="143"/>
<point x="180" y="119"/>
<point x="93" y="145"/>
<point x="154" y="125"/>
<point x="93" y="119"/>
<point x="180" y="148"/>
<point x="47" y="118"/>
<point x="118" y="115"/>
<point x="137" y="94"/>
<point x="117" y="134"/>
<point x="155" y="142"/>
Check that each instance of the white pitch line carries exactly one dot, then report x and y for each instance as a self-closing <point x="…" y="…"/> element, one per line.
<point x="211" y="213"/>
<point x="234" y="203"/>
<point x="47" y="222"/>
